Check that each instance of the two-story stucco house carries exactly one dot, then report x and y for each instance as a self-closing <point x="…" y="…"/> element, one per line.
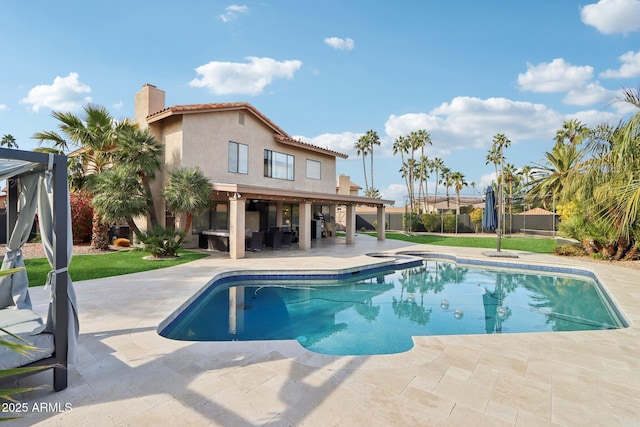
<point x="261" y="178"/>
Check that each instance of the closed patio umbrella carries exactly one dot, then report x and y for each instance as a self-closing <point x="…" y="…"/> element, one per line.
<point x="490" y="215"/>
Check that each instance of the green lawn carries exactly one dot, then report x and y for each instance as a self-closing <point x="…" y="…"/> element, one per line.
<point x="85" y="267"/>
<point x="530" y="244"/>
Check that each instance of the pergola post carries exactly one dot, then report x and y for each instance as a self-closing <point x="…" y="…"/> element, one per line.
<point x="351" y="224"/>
<point x="304" y="242"/>
<point x="381" y="226"/>
<point x="236" y="226"/>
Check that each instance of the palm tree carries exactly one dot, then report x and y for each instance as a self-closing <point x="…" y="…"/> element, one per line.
<point x="457" y="178"/>
<point x="8" y="141"/>
<point x="95" y="136"/>
<point x="401" y="145"/>
<point x="362" y="148"/>
<point x="437" y="164"/>
<point x="446" y="180"/>
<point x="139" y="151"/>
<point x="372" y="139"/>
<point x="118" y="196"/>
<point x="418" y="140"/>
<point x="423" y="176"/>
<point x="187" y="193"/>
<point x="573" y="131"/>
<point x="549" y="179"/>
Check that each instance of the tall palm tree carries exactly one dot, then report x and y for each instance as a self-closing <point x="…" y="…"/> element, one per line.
<point x="187" y="193"/>
<point x="423" y="176"/>
<point x="140" y="152"/>
<point x="401" y="145"/>
<point x="459" y="182"/>
<point x="95" y="136"/>
<point x="437" y="164"/>
<point x="418" y="140"/>
<point x="8" y="141"/>
<point x="447" y="181"/>
<point x="372" y="139"/>
<point x="362" y="148"/>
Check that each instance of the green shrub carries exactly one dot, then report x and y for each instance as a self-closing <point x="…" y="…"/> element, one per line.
<point x="411" y="222"/>
<point x="431" y="222"/>
<point x="449" y="222"/>
<point x="162" y="242"/>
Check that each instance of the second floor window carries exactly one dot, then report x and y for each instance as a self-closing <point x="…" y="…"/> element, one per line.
<point x="278" y="165"/>
<point x="313" y="169"/>
<point x="238" y="158"/>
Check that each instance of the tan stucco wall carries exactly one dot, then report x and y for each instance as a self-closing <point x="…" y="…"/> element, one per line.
<point x="206" y="142"/>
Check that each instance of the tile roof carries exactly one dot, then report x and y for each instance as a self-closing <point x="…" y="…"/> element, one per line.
<point x="280" y="135"/>
<point x="291" y="141"/>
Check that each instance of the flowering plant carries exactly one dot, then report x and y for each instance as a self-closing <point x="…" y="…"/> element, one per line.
<point x="81" y="216"/>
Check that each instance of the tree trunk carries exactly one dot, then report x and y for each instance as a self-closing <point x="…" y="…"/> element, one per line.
<point x="623" y="247"/>
<point x="136" y="231"/>
<point x="150" y="205"/>
<point x="99" y="234"/>
<point x="187" y="224"/>
<point x="632" y="254"/>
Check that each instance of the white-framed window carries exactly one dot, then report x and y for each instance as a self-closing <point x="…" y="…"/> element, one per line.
<point x="313" y="169"/>
<point x="238" y="158"/>
<point x="279" y="165"/>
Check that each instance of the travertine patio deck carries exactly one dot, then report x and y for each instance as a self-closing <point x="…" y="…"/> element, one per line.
<point x="128" y="375"/>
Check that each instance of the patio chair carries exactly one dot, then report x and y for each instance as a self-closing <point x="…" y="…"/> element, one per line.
<point x="257" y="241"/>
<point x="276" y="240"/>
<point x="287" y="237"/>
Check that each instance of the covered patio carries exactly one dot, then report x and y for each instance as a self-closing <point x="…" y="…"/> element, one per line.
<point x="238" y="196"/>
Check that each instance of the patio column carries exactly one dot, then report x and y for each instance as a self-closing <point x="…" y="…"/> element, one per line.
<point x="236" y="227"/>
<point x="351" y="224"/>
<point x="305" y="227"/>
<point x="331" y="226"/>
<point x="380" y="230"/>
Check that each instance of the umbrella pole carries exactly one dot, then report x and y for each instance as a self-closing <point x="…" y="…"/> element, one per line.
<point x="499" y="216"/>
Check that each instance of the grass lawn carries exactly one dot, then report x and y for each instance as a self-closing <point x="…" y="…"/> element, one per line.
<point x="85" y="267"/>
<point x="530" y="244"/>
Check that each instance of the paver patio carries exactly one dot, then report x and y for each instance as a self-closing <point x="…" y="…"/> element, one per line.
<point x="129" y="375"/>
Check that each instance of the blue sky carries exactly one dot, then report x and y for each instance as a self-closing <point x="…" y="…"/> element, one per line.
<point x="326" y="72"/>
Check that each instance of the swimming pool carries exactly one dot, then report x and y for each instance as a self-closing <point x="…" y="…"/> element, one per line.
<point x="378" y="311"/>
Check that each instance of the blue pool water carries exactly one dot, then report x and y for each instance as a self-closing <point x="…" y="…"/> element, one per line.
<point x="378" y="312"/>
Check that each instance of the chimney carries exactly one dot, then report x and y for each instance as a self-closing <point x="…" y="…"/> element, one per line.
<point x="344" y="184"/>
<point x="148" y="100"/>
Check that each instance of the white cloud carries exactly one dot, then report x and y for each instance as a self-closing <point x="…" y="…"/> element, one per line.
<point x="592" y="118"/>
<point x="3" y="107"/>
<point x="118" y="105"/>
<point x="589" y="94"/>
<point x="612" y="16"/>
<point x="556" y="76"/>
<point x="66" y="93"/>
<point x="231" y="12"/>
<point x="468" y="122"/>
<point x="395" y="192"/>
<point x="339" y="43"/>
<point x="630" y="66"/>
<point x="340" y="142"/>
<point x="225" y="78"/>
